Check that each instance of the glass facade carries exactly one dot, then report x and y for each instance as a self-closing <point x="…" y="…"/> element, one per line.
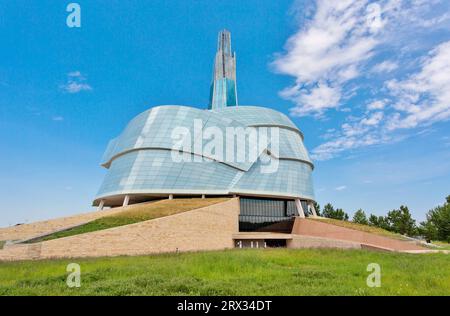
<point x="223" y="87"/>
<point x="266" y="215"/>
<point x="258" y="116"/>
<point x="140" y="159"/>
<point x="223" y="93"/>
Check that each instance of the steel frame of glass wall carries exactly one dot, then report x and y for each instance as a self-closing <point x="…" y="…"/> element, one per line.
<point x="269" y="215"/>
<point x="139" y="160"/>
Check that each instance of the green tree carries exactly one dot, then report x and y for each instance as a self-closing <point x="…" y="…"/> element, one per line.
<point x="401" y="221"/>
<point x="340" y="214"/>
<point x="373" y="220"/>
<point x="383" y="223"/>
<point x="437" y="225"/>
<point x="428" y="230"/>
<point x="360" y="217"/>
<point x="379" y="221"/>
<point x="330" y="212"/>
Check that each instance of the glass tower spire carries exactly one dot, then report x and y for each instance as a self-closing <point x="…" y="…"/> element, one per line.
<point x="223" y="87"/>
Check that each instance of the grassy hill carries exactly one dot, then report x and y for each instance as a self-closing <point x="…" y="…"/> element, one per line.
<point x="235" y="272"/>
<point x="135" y="214"/>
<point x="442" y="245"/>
<point x="361" y="227"/>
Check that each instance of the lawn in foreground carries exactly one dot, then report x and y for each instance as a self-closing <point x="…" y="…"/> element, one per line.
<point x="135" y="214"/>
<point x="235" y="272"/>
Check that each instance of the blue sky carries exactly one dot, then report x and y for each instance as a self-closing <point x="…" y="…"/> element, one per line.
<point x="368" y="82"/>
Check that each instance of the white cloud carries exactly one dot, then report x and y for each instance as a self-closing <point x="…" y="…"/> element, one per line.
<point x="314" y="100"/>
<point x="417" y="17"/>
<point x="76" y="73"/>
<point x="385" y="67"/>
<point x="343" y="143"/>
<point x="437" y="20"/>
<point x="373" y="120"/>
<point x="75" y="87"/>
<point x="424" y="97"/>
<point x="76" y="82"/>
<point x="376" y="105"/>
<point x="334" y="43"/>
<point x="341" y="188"/>
<point x="327" y="53"/>
<point x="57" y="118"/>
<point x="357" y="132"/>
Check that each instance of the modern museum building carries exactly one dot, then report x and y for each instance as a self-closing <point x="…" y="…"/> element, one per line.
<point x="251" y="152"/>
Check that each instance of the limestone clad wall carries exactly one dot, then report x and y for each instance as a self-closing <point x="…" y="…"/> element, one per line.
<point x="298" y="241"/>
<point x="207" y="228"/>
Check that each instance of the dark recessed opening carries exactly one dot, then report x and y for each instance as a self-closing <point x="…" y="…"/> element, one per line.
<point x="276" y="243"/>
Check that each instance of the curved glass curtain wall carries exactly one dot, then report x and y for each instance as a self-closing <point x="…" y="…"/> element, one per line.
<point x="139" y="159"/>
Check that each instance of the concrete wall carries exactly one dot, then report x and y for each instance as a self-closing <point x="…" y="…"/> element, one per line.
<point x="317" y="228"/>
<point x="299" y="241"/>
<point x="207" y="228"/>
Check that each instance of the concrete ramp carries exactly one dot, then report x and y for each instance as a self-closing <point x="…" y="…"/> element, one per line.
<point x="320" y="229"/>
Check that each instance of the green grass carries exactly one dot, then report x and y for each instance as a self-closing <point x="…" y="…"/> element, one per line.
<point x="235" y="272"/>
<point x="361" y="227"/>
<point x="135" y="214"/>
<point x="442" y="245"/>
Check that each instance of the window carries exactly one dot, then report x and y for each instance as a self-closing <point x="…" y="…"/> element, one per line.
<point x="267" y="215"/>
